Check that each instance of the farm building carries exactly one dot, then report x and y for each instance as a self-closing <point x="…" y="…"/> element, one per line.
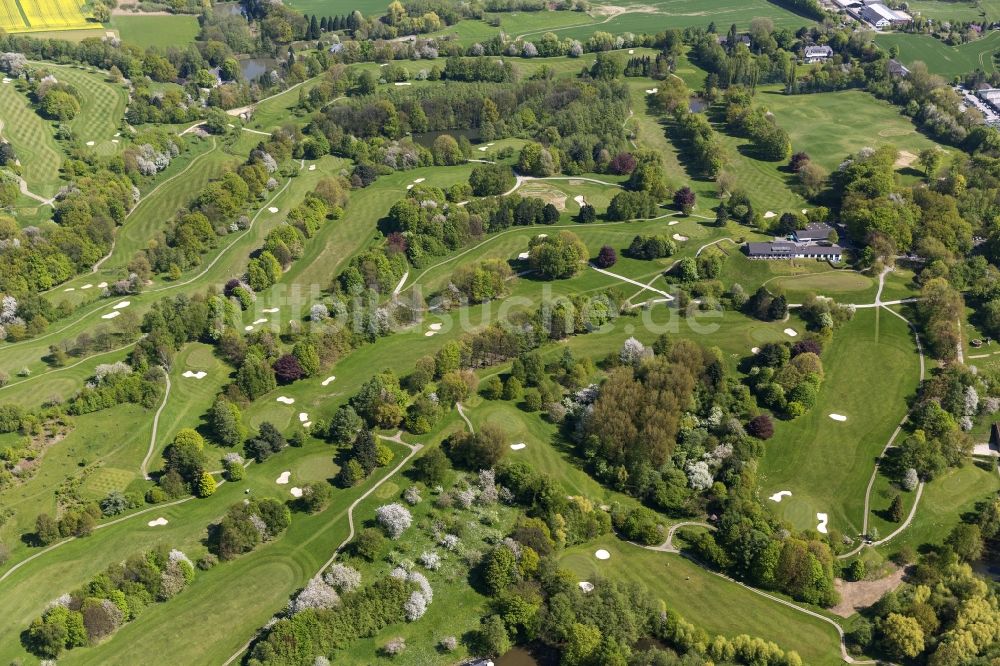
<point x="881" y="16"/>
<point x="991" y="96"/>
<point x="845" y="5"/>
<point x="790" y="250"/>
<point x="817" y="54"/>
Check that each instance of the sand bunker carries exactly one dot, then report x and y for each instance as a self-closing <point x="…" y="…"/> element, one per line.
<point x="403" y="83"/>
<point x="524" y="255"/>
<point x="410" y="186"/>
<point x="296" y="492"/>
<point x="123" y="304"/>
<point x="273" y="209"/>
<point x="157" y="522"/>
<point x="518" y="446"/>
<point x="312" y="167"/>
<point x="70" y="289"/>
<point x="678" y="237"/>
<point x="755" y="350"/>
<point x="114" y="140"/>
<point x="430" y="333"/>
<point x="270" y="310"/>
<point x="673" y="222"/>
<point x="769" y="214"/>
<point x="790" y="332"/>
<point x="283" y="478"/>
<point x="90" y="143"/>
<point x="823" y="519"/>
<point x="303" y="417"/>
<point x="776" y="497"/>
<point x="580" y="200"/>
<point x="631" y="51"/>
<point x="248" y="328"/>
<point x="435" y="327"/>
<point x="542" y="236"/>
<point x="286" y="400"/>
<point x="602" y="554"/>
<point x="419" y="180"/>
<point x="805" y="210"/>
<point x="102" y="285"/>
<point x="194" y="375"/>
<point x="87" y="286"/>
<point x="838" y="417"/>
<point x="259" y="321"/>
<point x="482" y="149"/>
<point x="307" y="424"/>
<point x="586" y="586"/>
<point x="652" y="91"/>
<point x="328" y="380"/>
<point x="111" y="315"/>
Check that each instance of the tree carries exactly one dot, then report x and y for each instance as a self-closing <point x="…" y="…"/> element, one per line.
<point x="432" y="467"/>
<point x="206" y="484"/>
<point x="684" y="200"/>
<point x="798" y="161"/>
<point x="902" y="636"/>
<point x="394" y="519"/>
<point x="500" y="569"/>
<point x="581" y="644"/>
<point x="369" y="544"/>
<point x="557" y="257"/>
<point x="761" y="427"/>
<point x="316" y="496"/>
<point x="605" y="67"/>
<point x="896" y="509"/>
<point x="967" y="541"/>
<point x="186" y="455"/>
<point x="491" y="179"/>
<point x="46" y="529"/>
<point x="587" y="213"/>
<point x="227" y="423"/>
<point x="446" y="151"/>
<point x="930" y="160"/>
<point x="606" y="258"/>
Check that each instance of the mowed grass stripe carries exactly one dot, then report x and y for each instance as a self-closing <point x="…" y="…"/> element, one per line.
<point x="32" y="140"/>
<point x="101" y="105"/>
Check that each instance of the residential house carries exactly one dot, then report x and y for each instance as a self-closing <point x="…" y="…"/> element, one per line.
<point x="897" y="69"/>
<point x="817" y="54"/>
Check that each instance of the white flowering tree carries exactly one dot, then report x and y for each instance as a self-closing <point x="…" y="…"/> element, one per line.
<point x="632" y="352"/>
<point x="415" y="607"/>
<point x="316" y="594"/>
<point x="394" y="518"/>
<point x="342" y="578"/>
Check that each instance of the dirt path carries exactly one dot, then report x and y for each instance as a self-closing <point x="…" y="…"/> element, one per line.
<point x="156" y="424"/>
<point x="461" y="412"/>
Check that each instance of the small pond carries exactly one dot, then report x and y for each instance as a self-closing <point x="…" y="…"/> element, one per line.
<point x="254" y="68"/>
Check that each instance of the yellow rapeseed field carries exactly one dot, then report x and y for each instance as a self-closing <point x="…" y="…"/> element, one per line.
<point x="38" y="15"/>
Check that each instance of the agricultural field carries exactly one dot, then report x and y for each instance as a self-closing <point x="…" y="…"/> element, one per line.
<point x="162" y="31"/>
<point x="963" y="10"/>
<point x="43" y="15"/>
<point x="948" y="61"/>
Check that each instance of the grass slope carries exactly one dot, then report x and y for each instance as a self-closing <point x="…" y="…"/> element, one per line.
<point x="871" y="368"/>
<point x="948" y="61"/>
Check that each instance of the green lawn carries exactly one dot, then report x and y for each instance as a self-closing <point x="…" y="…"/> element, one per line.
<point x="102" y="107"/>
<point x="713" y="603"/>
<point x="871" y="368"/>
<point x="815" y="124"/>
<point x="956" y="10"/>
<point x="948" y="61"/>
<point x="33" y="141"/>
<point x="162" y="31"/>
